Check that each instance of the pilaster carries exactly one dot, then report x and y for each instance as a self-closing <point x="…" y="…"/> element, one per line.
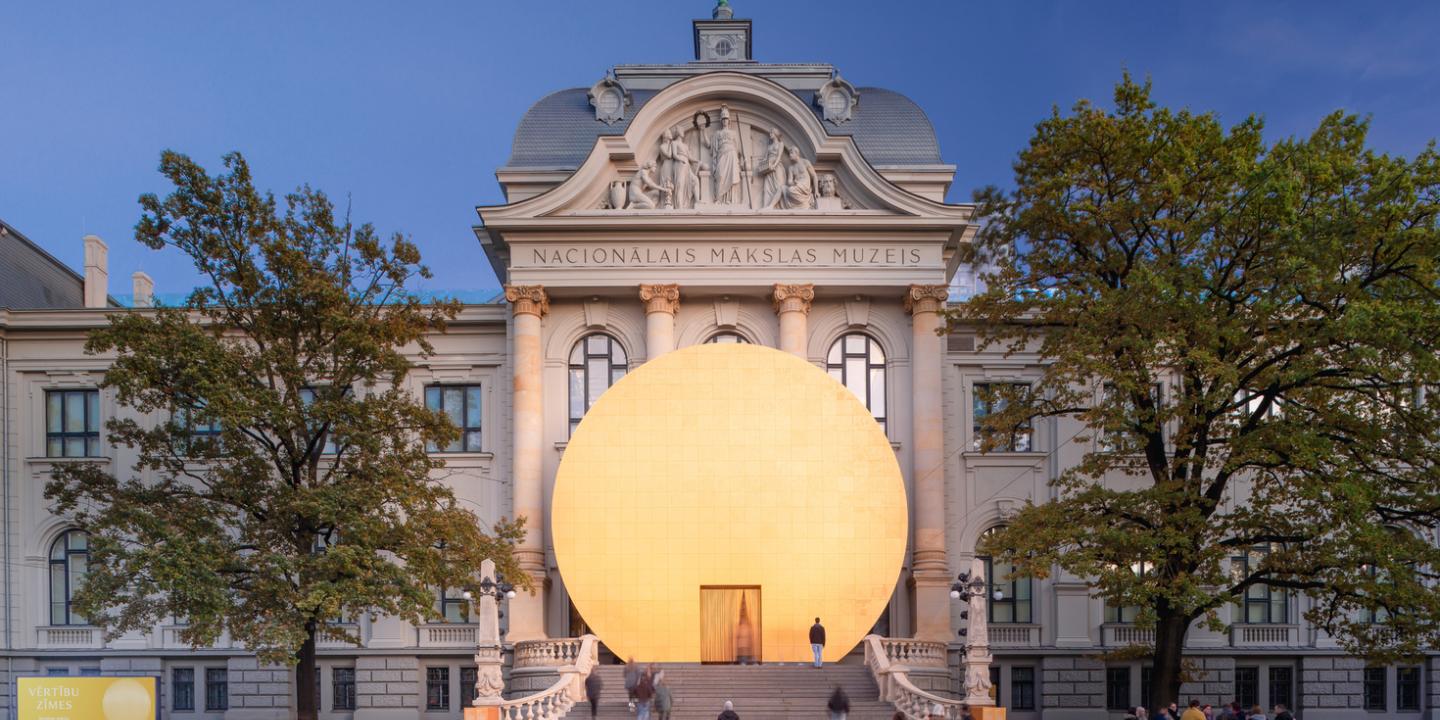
<point x="661" y="303"/>
<point x="932" y="571"/>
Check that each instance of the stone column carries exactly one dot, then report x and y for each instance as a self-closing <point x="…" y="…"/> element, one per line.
<point x="792" y="304"/>
<point x="927" y="442"/>
<point x="529" y="303"/>
<point x="661" y="302"/>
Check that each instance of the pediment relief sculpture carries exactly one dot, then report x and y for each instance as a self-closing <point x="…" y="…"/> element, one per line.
<point x="718" y="162"/>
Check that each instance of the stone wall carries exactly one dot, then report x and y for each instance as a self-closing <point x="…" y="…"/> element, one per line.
<point x="1072" y="683"/>
<point x="1332" y="683"/>
<point x="1212" y="680"/>
<point x="387" y="687"/>
<point x="258" y="692"/>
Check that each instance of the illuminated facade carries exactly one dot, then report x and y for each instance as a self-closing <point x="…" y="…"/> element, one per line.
<point x="670" y="206"/>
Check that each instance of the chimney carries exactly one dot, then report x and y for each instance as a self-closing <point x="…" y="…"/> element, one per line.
<point x="97" y="272"/>
<point x="144" y="289"/>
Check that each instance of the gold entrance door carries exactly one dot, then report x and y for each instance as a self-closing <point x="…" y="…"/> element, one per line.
<point x="730" y="624"/>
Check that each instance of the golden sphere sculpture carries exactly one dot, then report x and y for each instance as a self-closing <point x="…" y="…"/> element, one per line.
<point x="728" y="465"/>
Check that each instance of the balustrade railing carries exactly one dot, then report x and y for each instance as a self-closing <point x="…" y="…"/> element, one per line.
<point x="567" y="690"/>
<point x="1004" y="635"/>
<point x="893" y="679"/>
<point x="447" y="635"/>
<point x="1119" y="635"/>
<point x="915" y="653"/>
<point x="1265" y="635"/>
<point x="72" y="638"/>
<point x="547" y="653"/>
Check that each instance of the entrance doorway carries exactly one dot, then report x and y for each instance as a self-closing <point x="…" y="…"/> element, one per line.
<point x="730" y="624"/>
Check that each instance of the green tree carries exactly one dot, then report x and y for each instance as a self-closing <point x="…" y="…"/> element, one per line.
<point x="287" y="483"/>
<point x="1247" y="331"/>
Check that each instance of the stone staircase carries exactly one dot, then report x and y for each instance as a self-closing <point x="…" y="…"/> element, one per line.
<point x="759" y="692"/>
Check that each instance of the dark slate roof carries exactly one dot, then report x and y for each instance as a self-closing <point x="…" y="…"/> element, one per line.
<point x="32" y="279"/>
<point x="559" y="131"/>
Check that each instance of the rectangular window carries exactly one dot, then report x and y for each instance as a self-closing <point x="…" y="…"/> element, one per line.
<point x="1375" y="688"/>
<point x="1147" y="672"/>
<point x="1247" y="686"/>
<point x="1282" y="686"/>
<point x="468" y="677"/>
<point x="1114" y="438"/>
<point x="89" y="672"/>
<point x="454" y="608"/>
<point x="307" y="397"/>
<point x="992" y="398"/>
<point x="57" y="671"/>
<point x="342" y="693"/>
<point x="217" y="689"/>
<point x="1128" y="614"/>
<point x="437" y="688"/>
<point x="1117" y="688"/>
<point x="1022" y="688"/>
<point x="995" y="694"/>
<point x="1407" y="688"/>
<point x="182" y="689"/>
<point x="461" y="403"/>
<point x="1262" y="604"/>
<point x="72" y="423"/>
<point x="1014" y="604"/>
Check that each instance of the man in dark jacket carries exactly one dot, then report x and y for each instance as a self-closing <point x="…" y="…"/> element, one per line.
<point x="728" y="713"/>
<point x="817" y="640"/>
<point x="593" y="685"/>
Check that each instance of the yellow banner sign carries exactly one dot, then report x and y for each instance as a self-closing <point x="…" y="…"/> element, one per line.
<point x="87" y="698"/>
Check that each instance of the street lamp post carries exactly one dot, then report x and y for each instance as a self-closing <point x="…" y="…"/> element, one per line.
<point x="489" y="681"/>
<point x="970" y="587"/>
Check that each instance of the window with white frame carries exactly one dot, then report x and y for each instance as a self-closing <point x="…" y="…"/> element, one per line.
<point x="727" y="338"/>
<point x="69" y="564"/>
<point x="1126" y="614"/>
<point x="462" y="404"/>
<point x="857" y="361"/>
<point x="596" y="362"/>
<point x="72" y="423"/>
<point x="991" y="398"/>
<point x="1262" y="604"/>
<point x="1015" y="604"/>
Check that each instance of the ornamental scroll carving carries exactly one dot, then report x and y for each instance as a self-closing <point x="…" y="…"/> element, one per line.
<point x="719" y="161"/>
<point x="660" y="298"/>
<point x="794" y="298"/>
<point x="926" y="298"/>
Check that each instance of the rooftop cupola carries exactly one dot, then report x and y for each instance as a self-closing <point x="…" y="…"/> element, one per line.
<point x="722" y="38"/>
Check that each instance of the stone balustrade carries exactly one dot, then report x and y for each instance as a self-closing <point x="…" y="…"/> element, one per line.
<point x="1123" y="635"/>
<point x="567" y="689"/>
<point x="1005" y="635"/>
<point x="70" y="638"/>
<point x="1265" y="636"/>
<point x="447" y="635"/>
<point x="896" y="688"/>
<point x="547" y="653"/>
<point x="915" y="653"/>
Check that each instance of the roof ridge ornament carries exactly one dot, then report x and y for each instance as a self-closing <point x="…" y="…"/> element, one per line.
<point x="837" y="99"/>
<point x="610" y="98"/>
<point x="722" y="10"/>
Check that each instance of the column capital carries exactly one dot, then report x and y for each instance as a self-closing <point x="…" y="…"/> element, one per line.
<point x="660" y="298"/>
<point x="528" y="299"/>
<point x="793" y="298"/>
<point x="926" y="298"/>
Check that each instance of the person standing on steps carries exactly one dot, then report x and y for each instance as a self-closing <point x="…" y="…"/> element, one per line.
<point x="728" y="713"/>
<point x="839" y="705"/>
<point x="593" y="686"/>
<point x="664" y="701"/>
<point x="644" y="696"/>
<point x="817" y="640"/>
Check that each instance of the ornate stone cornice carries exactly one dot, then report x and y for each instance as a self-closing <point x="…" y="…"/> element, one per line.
<point x="794" y="298"/>
<point x="926" y="298"/>
<point x="528" y="299"/>
<point x="660" y="298"/>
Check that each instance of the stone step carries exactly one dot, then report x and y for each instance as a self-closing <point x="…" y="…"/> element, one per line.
<point x="759" y="692"/>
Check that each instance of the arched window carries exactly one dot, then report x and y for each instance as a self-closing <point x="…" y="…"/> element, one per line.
<point x="730" y="338"/>
<point x="69" y="561"/>
<point x="1015" y="604"/>
<point x="858" y="362"/>
<point x="596" y="363"/>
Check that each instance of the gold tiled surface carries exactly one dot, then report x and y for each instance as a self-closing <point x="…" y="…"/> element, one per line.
<point x="728" y="464"/>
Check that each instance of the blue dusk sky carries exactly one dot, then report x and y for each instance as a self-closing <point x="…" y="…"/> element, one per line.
<point x="407" y="108"/>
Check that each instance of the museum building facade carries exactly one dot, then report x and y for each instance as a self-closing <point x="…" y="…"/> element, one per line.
<point x="721" y="200"/>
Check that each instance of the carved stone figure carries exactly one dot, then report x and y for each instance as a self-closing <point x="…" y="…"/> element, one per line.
<point x="641" y="186"/>
<point x="800" y="182"/>
<point x="771" y="169"/>
<point x="725" y="154"/>
<point x="676" y="170"/>
<point x="829" y="198"/>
